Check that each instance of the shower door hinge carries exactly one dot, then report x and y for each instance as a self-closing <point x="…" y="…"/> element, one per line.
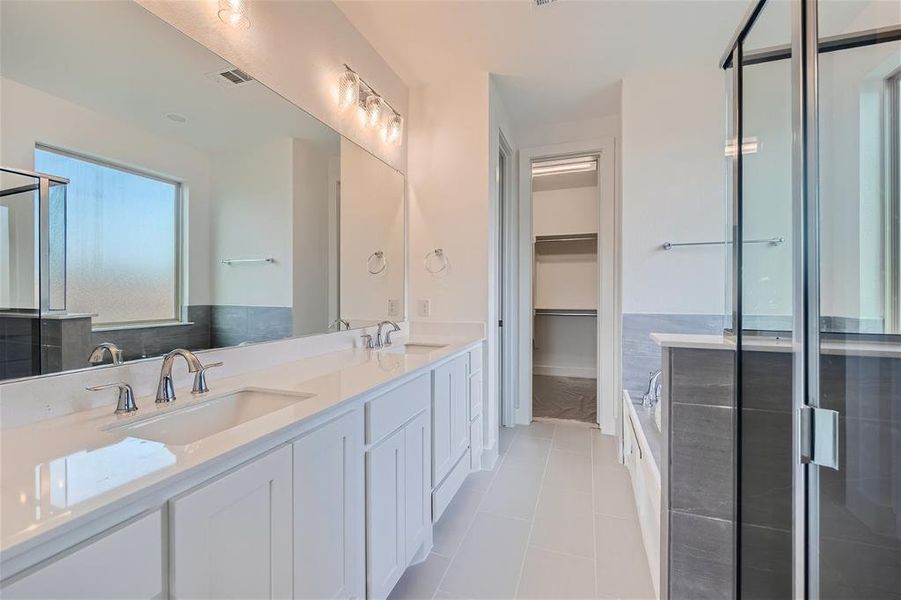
<point x="819" y="436"/>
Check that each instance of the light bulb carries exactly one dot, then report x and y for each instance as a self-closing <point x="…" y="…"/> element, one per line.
<point x="394" y="129"/>
<point x="374" y="110"/>
<point x="348" y="89"/>
<point x="234" y="13"/>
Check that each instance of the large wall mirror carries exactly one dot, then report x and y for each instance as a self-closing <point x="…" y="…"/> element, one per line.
<point x="187" y="205"/>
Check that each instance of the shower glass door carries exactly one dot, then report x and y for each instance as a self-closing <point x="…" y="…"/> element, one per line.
<point x="854" y="509"/>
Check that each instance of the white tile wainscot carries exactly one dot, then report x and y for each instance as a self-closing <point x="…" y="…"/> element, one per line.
<point x="314" y="483"/>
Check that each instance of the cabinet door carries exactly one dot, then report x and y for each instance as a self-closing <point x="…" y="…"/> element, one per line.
<point x="442" y="422"/>
<point x="385" y="515"/>
<point x="459" y="390"/>
<point x="417" y="483"/>
<point x="329" y="539"/>
<point x="97" y="570"/>
<point x="231" y="538"/>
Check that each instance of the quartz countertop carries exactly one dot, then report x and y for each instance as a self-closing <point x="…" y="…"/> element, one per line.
<point x="58" y="473"/>
<point x="762" y="343"/>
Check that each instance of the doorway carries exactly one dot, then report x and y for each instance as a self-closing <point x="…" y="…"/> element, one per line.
<point x="568" y="289"/>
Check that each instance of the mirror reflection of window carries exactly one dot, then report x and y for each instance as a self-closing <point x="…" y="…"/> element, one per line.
<point x="121" y="239"/>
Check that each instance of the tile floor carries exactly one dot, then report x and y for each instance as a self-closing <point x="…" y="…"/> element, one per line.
<point x="554" y="519"/>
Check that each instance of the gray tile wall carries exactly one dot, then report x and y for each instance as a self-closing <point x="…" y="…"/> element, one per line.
<point x="232" y="325"/>
<point x="141" y="342"/>
<point x="700" y="416"/>
<point x="860" y="503"/>
<point x="641" y="355"/>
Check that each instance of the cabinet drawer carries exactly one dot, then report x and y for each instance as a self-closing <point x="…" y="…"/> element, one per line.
<point x="96" y="569"/>
<point x="448" y="488"/>
<point x="475" y="396"/>
<point x="392" y="409"/>
<point x="475" y="360"/>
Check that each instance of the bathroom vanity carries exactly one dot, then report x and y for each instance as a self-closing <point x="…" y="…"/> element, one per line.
<point x="318" y="477"/>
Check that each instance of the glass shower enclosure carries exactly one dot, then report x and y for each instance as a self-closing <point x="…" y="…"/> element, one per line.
<point x="813" y="170"/>
<point x="32" y="270"/>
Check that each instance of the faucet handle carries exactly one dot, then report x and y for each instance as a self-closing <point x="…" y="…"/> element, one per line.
<point x="200" y="385"/>
<point x="126" y="403"/>
<point x="367" y="340"/>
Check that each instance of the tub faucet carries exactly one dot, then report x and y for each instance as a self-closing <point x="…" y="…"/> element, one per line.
<point x="165" y="391"/>
<point x="100" y="349"/>
<point x="655" y="389"/>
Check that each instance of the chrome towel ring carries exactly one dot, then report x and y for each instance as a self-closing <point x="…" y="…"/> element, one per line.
<point x="380" y="259"/>
<point x="439" y="254"/>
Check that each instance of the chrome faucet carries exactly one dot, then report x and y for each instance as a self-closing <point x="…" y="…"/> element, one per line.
<point x="337" y="323"/>
<point x="655" y="389"/>
<point x="165" y="391"/>
<point x="126" y="403"/>
<point x="378" y="334"/>
<point x="100" y="349"/>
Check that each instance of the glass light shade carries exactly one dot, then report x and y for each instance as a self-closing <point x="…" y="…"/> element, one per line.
<point x="375" y="110"/>
<point x="234" y="13"/>
<point x="394" y="129"/>
<point x="348" y="89"/>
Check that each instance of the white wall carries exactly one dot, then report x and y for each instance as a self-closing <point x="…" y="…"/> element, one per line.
<point x="251" y="216"/>
<point x="315" y="181"/>
<point x="565" y="211"/>
<point x="673" y="173"/>
<point x="30" y="116"/>
<point x="298" y="49"/>
<point x="372" y="219"/>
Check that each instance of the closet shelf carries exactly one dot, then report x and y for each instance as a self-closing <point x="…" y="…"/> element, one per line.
<point x="568" y="237"/>
<point x="566" y="312"/>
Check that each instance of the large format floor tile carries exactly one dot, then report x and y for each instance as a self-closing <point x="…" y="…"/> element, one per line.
<point x="556" y="518"/>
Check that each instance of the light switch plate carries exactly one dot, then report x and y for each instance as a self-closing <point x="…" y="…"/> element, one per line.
<point x="425" y="307"/>
<point x="392" y="307"/>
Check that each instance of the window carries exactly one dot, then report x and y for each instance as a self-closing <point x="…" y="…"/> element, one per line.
<point x="122" y="240"/>
<point x="893" y="206"/>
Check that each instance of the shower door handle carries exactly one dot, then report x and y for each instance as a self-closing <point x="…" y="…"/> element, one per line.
<point x="819" y="436"/>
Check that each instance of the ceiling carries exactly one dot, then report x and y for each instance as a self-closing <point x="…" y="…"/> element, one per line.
<point x="118" y="59"/>
<point x="557" y="63"/>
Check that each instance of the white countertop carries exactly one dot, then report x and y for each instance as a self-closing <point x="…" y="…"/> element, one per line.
<point x="57" y="473"/>
<point x="775" y="344"/>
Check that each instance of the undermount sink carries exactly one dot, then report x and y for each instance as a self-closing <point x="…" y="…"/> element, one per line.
<point x="414" y="348"/>
<point x="182" y="426"/>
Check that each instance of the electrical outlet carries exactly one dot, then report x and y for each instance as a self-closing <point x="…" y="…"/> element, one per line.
<point x="392" y="307"/>
<point x="425" y="307"/>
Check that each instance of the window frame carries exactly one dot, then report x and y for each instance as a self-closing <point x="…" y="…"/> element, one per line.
<point x="180" y="313"/>
<point x="892" y="196"/>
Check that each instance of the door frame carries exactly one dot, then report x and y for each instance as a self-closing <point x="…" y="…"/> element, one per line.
<point x="507" y="277"/>
<point x="609" y="325"/>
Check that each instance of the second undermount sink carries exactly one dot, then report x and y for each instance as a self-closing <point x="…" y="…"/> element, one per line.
<point x="199" y="420"/>
<point x="415" y="348"/>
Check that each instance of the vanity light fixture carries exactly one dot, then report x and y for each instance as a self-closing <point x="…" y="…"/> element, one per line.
<point x="234" y="13"/>
<point x="375" y="111"/>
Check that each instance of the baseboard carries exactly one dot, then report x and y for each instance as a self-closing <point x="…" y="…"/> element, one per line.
<point x="490" y="457"/>
<point x="558" y="371"/>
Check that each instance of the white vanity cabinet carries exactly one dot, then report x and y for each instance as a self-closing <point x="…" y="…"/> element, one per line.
<point x="329" y="497"/>
<point x="475" y="408"/>
<point x="231" y="538"/>
<point x="398" y="483"/>
<point x="450" y="416"/>
<point x="126" y="562"/>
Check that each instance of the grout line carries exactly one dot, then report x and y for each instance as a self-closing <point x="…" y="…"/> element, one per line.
<point x="475" y="513"/>
<point x="522" y="566"/>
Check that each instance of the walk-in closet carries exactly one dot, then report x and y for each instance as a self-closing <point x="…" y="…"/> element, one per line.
<point x="565" y="200"/>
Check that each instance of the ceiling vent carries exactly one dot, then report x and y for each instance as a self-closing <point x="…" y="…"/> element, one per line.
<point x="230" y="77"/>
<point x="543" y="3"/>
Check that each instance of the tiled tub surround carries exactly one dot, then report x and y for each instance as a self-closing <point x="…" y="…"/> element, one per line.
<point x="53" y="421"/>
<point x="859" y="507"/>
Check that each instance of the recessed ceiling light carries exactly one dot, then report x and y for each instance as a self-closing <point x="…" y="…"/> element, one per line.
<point x="176" y="117"/>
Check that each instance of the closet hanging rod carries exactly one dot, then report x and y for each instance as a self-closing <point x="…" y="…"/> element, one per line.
<point x="773" y="241"/>
<point x="234" y="261"/>
<point x="563" y="313"/>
